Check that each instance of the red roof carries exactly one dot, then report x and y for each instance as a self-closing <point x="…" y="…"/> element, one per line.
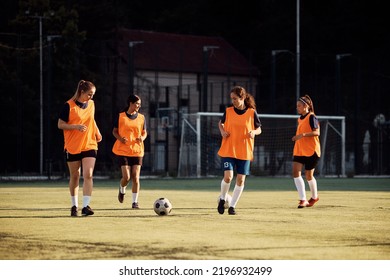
<point x="177" y="52"/>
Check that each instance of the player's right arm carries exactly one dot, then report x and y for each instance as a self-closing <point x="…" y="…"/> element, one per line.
<point x="222" y="129"/>
<point x="115" y="132"/>
<point x="65" y="126"/>
<point x="63" y="119"/>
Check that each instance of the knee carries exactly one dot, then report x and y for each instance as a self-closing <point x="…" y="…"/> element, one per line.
<point x="227" y="179"/>
<point x="126" y="179"/>
<point x="309" y="177"/>
<point x="240" y="182"/>
<point x="75" y="177"/>
<point x="87" y="176"/>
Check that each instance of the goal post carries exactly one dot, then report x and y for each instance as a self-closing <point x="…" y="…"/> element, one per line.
<point x="200" y="141"/>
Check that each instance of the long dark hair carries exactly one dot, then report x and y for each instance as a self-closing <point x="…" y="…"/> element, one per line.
<point x="132" y="98"/>
<point x="249" y="100"/>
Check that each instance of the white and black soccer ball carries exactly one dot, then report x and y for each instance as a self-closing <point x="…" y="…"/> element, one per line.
<point x="162" y="206"/>
<point x="227" y="201"/>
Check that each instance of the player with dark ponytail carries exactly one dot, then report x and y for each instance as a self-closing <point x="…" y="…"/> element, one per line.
<point x="307" y="150"/>
<point x="239" y="126"/>
<point x="130" y="133"/>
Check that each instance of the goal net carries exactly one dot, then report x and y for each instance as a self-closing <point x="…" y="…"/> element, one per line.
<point x="200" y="141"/>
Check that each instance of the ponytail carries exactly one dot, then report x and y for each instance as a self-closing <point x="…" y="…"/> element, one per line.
<point x="82" y="86"/>
<point x="132" y="98"/>
<point x="307" y="100"/>
<point x="249" y="100"/>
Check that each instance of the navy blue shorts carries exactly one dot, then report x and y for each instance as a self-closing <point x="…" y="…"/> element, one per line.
<point x="242" y="166"/>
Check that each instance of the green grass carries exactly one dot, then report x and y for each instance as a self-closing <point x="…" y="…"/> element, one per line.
<point x="351" y="221"/>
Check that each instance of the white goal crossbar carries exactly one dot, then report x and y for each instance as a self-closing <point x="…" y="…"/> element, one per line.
<point x="199" y="134"/>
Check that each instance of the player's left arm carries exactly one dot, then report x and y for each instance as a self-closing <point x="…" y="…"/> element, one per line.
<point x="144" y="133"/>
<point x="315" y="127"/>
<point x="257" y="125"/>
<point x="315" y="132"/>
<point x="98" y="135"/>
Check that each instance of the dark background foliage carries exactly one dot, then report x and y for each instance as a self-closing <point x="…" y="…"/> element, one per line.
<point x="255" y="28"/>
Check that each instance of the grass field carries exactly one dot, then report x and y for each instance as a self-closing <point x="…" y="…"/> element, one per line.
<point x="350" y="222"/>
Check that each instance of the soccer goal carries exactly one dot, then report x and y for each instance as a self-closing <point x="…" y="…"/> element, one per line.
<point x="200" y="141"/>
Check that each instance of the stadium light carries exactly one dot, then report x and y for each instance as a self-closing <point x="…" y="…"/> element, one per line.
<point x="131" y="64"/>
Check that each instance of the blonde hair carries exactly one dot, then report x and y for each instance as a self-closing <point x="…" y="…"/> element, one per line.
<point x="83" y="86"/>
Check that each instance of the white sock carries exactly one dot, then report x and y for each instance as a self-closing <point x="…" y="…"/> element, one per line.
<point x="75" y="200"/>
<point x="300" y="185"/>
<point x="135" y="197"/>
<point x="123" y="189"/>
<point x="86" y="200"/>
<point x="224" y="189"/>
<point x="313" y="188"/>
<point x="236" y="195"/>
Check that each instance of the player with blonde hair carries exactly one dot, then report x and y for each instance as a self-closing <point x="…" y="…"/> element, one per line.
<point x="81" y="137"/>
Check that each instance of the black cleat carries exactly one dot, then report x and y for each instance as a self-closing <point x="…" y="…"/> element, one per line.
<point x="221" y="206"/>
<point x="87" y="211"/>
<point x="135" y="205"/>
<point x="121" y="196"/>
<point x="231" y="211"/>
<point x="73" y="211"/>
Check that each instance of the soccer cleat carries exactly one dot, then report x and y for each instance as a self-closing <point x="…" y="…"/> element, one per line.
<point x="87" y="211"/>
<point x="73" y="211"/>
<point x="121" y="196"/>
<point x="312" y="201"/>
<point x="135" y="205"/>
<point x="232" y="211"/>
<point x="221" y="206"/>
<point x="303" y="203"/>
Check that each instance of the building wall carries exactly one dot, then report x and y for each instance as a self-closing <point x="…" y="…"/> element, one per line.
<point x="165" y="96"/>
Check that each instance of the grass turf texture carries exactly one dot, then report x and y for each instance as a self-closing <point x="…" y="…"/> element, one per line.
<point x="351" y="221"/>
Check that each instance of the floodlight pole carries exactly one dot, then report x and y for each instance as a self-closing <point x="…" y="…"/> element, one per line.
<point x="273" y="79"/>
<point x="131" y="65"/>
<point x="48" y="105"/>
<point x="40" y="98"/>
<point x="40" y="92"/>
<point x="338" y="97"/>
<point x="203" y="99"/>
<point x="298" y="54"/>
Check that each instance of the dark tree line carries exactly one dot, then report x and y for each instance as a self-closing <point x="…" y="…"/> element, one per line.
<point x="75" y="31"/>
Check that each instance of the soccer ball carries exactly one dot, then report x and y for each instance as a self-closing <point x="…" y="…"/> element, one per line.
<point x="162" y="206"/>
<point x="227" y="201"/>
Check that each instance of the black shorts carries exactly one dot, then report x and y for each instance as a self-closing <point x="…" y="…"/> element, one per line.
<point x="130" y="161"/>
<point x="80" y="156"/>
<point x="309" y="162"/>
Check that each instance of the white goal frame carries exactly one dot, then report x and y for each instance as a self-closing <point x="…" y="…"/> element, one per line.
<point x="195" y="155"/>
